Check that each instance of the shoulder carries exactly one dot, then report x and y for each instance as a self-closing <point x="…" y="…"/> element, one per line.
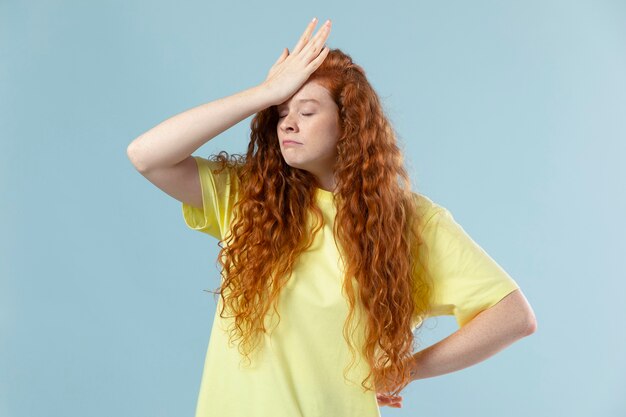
<point x="426" y="208"/>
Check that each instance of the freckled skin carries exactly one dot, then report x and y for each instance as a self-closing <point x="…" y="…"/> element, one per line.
<point x="316" y="126"/>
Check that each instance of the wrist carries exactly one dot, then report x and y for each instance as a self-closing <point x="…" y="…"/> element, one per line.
<point x="259" y="97"/>
<point x="414" y="366"/>
<point x="272" y="94"/>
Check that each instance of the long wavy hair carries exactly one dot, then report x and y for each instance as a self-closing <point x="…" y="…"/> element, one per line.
<point x="375" y="227"/>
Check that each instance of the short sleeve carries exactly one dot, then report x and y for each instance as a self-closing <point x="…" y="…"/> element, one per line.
<point x="466" y="280"/>
<point x="219" y="194"/>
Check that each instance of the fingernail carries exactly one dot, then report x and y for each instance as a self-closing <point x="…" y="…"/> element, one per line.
<point x="314" y="19"/>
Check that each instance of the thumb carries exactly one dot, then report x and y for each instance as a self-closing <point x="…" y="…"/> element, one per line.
<point x="282" y="56"/>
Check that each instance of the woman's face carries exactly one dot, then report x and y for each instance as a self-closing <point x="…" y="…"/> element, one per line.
<point x="311" y="118"/>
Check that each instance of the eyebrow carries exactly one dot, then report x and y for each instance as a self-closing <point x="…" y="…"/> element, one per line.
<point x="302" y="100"/>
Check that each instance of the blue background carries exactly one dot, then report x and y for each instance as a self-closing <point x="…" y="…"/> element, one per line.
<point x="511" y="114"/>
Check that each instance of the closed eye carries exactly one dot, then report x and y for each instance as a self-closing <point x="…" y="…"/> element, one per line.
<point x="304" y="114"/>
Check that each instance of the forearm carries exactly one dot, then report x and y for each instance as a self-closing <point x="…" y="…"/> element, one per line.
<point x="488" y="333"/>
<point x="176" y="138"/>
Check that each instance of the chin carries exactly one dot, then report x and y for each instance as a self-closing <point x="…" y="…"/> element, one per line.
<point x="294" y="164"/>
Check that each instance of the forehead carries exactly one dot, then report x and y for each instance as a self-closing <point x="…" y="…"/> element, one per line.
<point x="310" y="92"/>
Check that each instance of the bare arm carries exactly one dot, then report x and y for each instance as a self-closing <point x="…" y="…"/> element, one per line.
<point x="485" y="335"/>
<point x="488" y="333"/>
<point x="163" y="154"/>
<point x="176" y="138"/>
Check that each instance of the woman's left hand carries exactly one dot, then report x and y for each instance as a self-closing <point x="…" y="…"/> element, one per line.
<point x="384" y="388"/>
<point x="389" y="385"/>
<point x="389" y="400"/>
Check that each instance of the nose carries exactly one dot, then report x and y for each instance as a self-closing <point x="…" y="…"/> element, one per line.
<point x="287" y="123"/>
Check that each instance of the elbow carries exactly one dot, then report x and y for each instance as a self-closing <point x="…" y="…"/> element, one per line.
<point x="131" y="153"/>
<point x="530" y="323"/>
<point x="526" y="321"/>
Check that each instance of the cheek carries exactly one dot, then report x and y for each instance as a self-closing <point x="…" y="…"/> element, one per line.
<point x="333" y="132"/>
<point x="330" y="126"/>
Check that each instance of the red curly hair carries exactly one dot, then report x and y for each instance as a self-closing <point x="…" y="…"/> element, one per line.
<point x="375" y="226"/>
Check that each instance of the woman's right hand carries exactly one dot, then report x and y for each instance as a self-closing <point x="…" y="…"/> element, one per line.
<point x="291" y="70"/>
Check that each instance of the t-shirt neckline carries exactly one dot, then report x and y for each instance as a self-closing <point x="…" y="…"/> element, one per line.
<point x="323" y="194"/>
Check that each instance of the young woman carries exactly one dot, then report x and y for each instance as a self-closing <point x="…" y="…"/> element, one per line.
<point x="329" y="261"/>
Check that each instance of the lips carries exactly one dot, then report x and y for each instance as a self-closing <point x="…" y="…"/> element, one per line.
<point x="288" y="141"/>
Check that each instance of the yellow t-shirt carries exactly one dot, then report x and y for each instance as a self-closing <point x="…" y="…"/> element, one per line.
<point x="300" y="370"/>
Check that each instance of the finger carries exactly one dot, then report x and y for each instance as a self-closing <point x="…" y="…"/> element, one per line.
<point x="304" y="38"/>
<point x="320" y="37"/>
<point x="318" y="60"/>
<point x="393" y="398"/>
<point x="387" y="399"/>
<point x="282" y="57"/>
<point x="390" y="404"/>
<point x="322" y="34"/>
